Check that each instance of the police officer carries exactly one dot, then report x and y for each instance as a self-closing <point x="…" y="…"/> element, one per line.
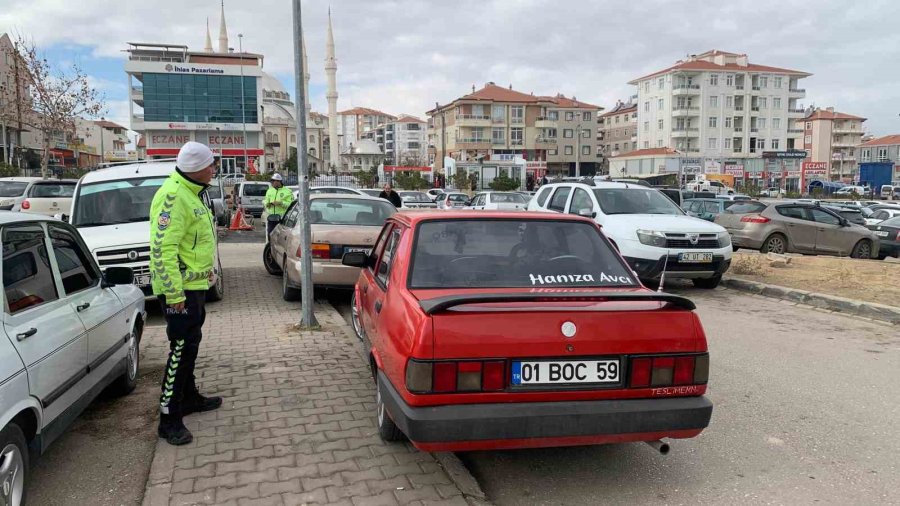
<point x="182" y="247"/>
<point x="276" y="202"/>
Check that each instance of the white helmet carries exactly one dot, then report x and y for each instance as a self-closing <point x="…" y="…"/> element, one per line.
<point x="277" y="177"/>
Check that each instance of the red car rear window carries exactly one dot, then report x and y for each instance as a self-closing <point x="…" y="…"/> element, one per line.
<point x="514" y="253"/>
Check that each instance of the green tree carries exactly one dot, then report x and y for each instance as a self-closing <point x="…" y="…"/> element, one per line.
<point x="461" y="180"/>
<point x="7" y="170"/>
<point x="504" y="183"/>
<point x="365" y="178"/>
<point x="410" y="180"/>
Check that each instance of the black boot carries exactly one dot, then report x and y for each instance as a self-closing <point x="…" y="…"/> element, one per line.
<point x="196" y="403"/>
<point x="172" y="429"/>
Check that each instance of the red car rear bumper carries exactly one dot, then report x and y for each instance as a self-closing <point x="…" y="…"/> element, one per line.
<point x="541" y="424"/>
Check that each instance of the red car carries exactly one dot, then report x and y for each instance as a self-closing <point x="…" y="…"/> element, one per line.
<point x="490" y="330"/>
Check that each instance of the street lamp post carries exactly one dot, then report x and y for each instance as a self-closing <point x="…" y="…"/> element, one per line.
<point x="243" y="109"/>
<point x="578" y="151"/>
<point x="102" y="150"/>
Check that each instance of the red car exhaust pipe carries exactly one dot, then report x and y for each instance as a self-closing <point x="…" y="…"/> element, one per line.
<point x="661" y="447"/>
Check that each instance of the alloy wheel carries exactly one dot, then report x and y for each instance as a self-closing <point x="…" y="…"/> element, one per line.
<point x="776" y="245"/>
<point x="12" y="476"/>
<point x="354" y="317"/>
<point x="379" y="406"/>
<point x="132" y="358"/>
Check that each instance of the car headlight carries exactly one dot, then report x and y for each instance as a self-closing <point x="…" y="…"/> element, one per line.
<point x="724" y="239"/>
<point x="652" y="238"/>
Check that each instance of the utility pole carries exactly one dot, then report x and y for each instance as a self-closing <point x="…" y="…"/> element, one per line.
<point x="308" y="317"/>
<point x="243" y="109"/>
<point x="102" y="150"/>
<point x="578" y="151"/>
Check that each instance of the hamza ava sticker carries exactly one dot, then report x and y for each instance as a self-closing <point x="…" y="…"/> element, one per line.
<point x="163" y="221"/>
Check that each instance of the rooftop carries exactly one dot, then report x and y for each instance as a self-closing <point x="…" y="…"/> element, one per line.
<point x="715" y="60"/>
<point x="621" y="108"/>
<point x="364" y="111"/>
<point x="829" y="114"/>
<point x="648" y="152"/>
<point x="887" y="140"/>
<point x="493" y="93"/>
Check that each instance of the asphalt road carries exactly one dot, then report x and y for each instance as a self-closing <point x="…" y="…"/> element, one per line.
<point x="805" y="411"/>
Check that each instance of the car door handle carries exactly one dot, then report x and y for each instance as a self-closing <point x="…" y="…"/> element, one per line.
<point x="25" y="335"/>
<point x="378" y="306"/>
<point x="81" y="307"/>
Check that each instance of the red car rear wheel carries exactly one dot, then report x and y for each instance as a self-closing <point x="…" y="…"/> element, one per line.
<point x="387" y="429"/>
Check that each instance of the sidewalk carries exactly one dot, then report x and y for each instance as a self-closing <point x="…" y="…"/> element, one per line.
<point x="297" y="425"/>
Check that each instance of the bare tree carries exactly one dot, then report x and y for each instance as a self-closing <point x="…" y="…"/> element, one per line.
<point x="53" y="98"/>
<point x="412" y="159"/>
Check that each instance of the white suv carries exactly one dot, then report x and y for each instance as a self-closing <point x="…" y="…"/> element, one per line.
<point x="650" y="231"/>
<point x="111" y="210"/>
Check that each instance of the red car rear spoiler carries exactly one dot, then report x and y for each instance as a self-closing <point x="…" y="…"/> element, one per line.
<point x="431" y="306"/>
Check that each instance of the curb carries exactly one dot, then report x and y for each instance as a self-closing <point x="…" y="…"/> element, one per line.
<point x="872" y="310"/>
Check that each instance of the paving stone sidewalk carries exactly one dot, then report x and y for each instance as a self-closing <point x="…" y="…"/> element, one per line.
<point x="297" y="425"/>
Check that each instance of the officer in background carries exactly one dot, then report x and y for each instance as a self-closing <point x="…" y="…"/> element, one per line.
<point x="182" y="249"/>
<point x="276" y="202"/>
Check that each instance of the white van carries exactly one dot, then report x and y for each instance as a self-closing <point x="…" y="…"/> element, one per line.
<point x="649" y="230"/>
<point x="249" y="195"/>
<point x="888" y="191"/>
<point x="111" y="210"/>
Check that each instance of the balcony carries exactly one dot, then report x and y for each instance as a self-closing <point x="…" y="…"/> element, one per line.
<point x="844" y="144"/>
<point x="516" y="142"/>
<point x="800" y="112"/>
<point x="795" y="130"/>
<point x="799" y="92"/>
<point x="754" y="130"/>
<point x="690" y="149"/>
<point x="473" y="120"/>
<point x="739" y="108"/>
<point x="738" y="129"/>
<point x="544" y="122"/>
<point x="498" y="142"/>
<point x="684" y="111"/>
<point x="473" y="143"/>
<point x="545" y="142"/>
<point x="756" y="88"/>
<point x="739" y="86"/>
<point x="847" y="131"/>
<point x="681" y="132"/>
<point x="686" y="89"/>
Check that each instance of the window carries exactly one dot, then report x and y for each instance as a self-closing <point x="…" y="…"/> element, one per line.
<point x="714" y="101"/>
<point x="762" y="102"/>
<point x="199" y="98"/>
<point x="75" y="266"/>
<point x="662" y="82"/>
<point x="760" y="144"/>
<point x="713" y="122"/>
<point x="542" y="195"/>
<point x="384" y="265"/>
<point x="478" y="110"/>
<point x="661" y="104"/>
<point x="553" y="152"/>
<point x="553" y="115"/>
<point x="585" y="133"/>
<point x="807" y="139"/>
<point x="647" y="106"/>
<point x="712" y="143"/>
<point x="586" y="116"/>
<point x="776" y="103"/>
<point x="659" y="143"/>
<point x="558" y="202"/>
<point x="617" y="118"/>
<point x="585" y="150"/>
<point x="517" y="113"/>
<point x="659" y="124"/>
<point x="820" y="216"/>
<point x="882" y="154"/>
<point x="729" y="101"/>
<point x="728" y="122"/>
<point x="498" y="113"/>
<point x="729" y="79"/>
<point x="568" y="133"/>
<point x="646" y="126"/>
<point x="809" y="126"/>
<point x="776" y="123"/>
<point x="290" y="217"/>
<point x="714" y="79"/>
<point x="616" y="146"/>
<point x="27" y="277"/>
<point x="647" y="87"/>
<point x="763" y="82"/>
<point x="581" y="200"/>
<point x="570" y="116"/>
<point x="569" y="150"/>
<point x="776" y="144"/>
<point x="761" y="123"/>
<point x="498" y="136"/>
<point x="794" y="212"/>
<point x="866" y="155"/>
<point x="515" y="136"/>
<point x="646" y="145"/>
<point x="727" y="143"/>
<point x="777" y="82"/>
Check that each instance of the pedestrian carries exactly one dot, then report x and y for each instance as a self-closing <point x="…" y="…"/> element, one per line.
<point x="544" y="180"/>
<point x="529" y="183"/>
<point x="182" y="248"/>
<point x="389" y="194"/>
<point x="276" y="202"/>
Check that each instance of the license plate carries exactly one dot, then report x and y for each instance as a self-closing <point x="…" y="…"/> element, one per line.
<point x="142" y="280"/>
<point x="883" y="233"/>
<point x="565" y="372"/>
<point x="695" y="258"/>
<point x="348" y="249"/>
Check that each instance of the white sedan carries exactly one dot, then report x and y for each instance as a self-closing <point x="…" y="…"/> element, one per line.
<point x="498" y="201"/>
<point x="881" y="215"/>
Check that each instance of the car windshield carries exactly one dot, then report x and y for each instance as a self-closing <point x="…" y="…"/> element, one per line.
<point x="12" y="188"/>
<point x="507" y="198"/>
<point x="371" y="192"/>
<point x="458" y="197"/>
<point x="255" y="190"/>
<point x="739" y="207"/>
<point x="111" y="202"/>
<point x="414" y="197"/>
<point x="515" y="253"/>
<point x="891" y="222"/>
<point x="370" y="213"/>
<point x="53" y="190"/>
<point x="634" y="201"/>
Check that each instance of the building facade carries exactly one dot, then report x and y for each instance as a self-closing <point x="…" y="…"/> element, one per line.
<point x="403" y="141"/>
<point x="617" y="129"/>
<point x="106" y="139"/>
<point x="355" y="124"/>
<point x="719" y="105"/>
<point x="363" y="155"/>
<point x="834" y="138"/>
<point x="280" y="129"/>
<point x="882" y="150"/>
<point x="496" y="123"/>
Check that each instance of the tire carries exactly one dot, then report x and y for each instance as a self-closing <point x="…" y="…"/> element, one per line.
<point x="217" y="291"/>
<point x="387" y="429"/>
<point x="13" y="465"/>
<point x="126" y="383"/>
<point x="863" y="250"/>
<point x="775" y="243"/>
<point x="270" y="264"/>
<point x="354" y="317"/>
<point x="288" y="292"/>
<point x="707" y="283"/>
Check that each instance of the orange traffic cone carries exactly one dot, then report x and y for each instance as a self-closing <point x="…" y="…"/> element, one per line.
<point x="239" y="222"/>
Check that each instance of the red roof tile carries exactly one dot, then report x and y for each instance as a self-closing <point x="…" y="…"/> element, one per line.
<point x="108" y="124"/>
<point x="568" y="103"/>
<point x="495" y="93"/>
<point x="648" y="152"/>
<point x="361" y="111"/>
<point x="826" y="114"/>
<point x="409" y="119"/>
<point x="705" y="65"/>
<point x="623" y="110"/>
<point x="887" y="140"/>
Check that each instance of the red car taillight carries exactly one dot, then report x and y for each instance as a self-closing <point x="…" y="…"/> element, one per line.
<point x="671" y="370"/>
<point x="26" y="204"/>
<point x="444" y="377"/>
<point x="755" y="219"/>
<point x="319" y="250"/>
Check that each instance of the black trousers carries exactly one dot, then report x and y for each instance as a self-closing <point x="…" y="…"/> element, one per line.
<point x="184" y="333"/>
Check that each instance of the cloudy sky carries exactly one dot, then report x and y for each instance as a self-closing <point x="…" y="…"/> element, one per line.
<point x="402" y="56"/>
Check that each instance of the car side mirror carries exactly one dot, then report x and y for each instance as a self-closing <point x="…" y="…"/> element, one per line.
<point x="845" y="222"/>
<point x="587" y="213"/>
<point x="118" y="276"/>
<point x="356" y="259"/>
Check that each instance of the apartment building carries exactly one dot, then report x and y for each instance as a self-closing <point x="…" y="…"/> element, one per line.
<point x="354" y="125"/>
<point x="554" y="133"/>
<point x="717" y="105"/>
<point x="617" y="129"/>
<point x="403" y="141"/>
<point x="882" y="149"/>
<point x="105" y="139"/>
<point x="834" y="138"/>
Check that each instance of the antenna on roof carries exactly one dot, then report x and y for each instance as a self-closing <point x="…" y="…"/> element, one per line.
<point x="473" y="88"/>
